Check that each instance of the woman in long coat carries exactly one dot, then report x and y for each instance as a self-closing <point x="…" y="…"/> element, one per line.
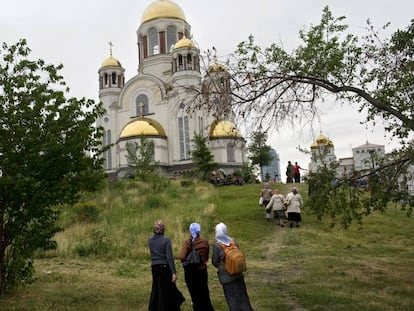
<point x="165" y="295"/>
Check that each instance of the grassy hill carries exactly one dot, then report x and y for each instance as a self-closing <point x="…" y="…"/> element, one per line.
<point x="102" y="261"/>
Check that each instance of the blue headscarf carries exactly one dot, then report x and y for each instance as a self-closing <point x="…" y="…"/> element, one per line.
<point x="221" y="234"/>
<point x="195" y="229"/>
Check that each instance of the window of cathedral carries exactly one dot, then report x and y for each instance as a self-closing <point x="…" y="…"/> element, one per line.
<point x="107" y="156"/>
<point x="153" y="41"/>
<point x="162" y="42"/>
<point x="113" y="78"/>
<point x="141" y="105"/>
<point x="201" y="126"/>
<point x="184" y="138"/>
<point x="230" y="153"/>
<point x="171" y="37"/>
<point x="189" y="62"/>
<point x="180" y="62"/>
<point x="132" y="149"/>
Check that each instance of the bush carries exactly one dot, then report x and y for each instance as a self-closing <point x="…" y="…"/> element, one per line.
<point x="95" y="246"/>
<point x="86" y="212"/>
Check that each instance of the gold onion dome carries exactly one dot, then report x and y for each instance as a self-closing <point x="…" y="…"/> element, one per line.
<point x="322" y="140"/>
<point x="162" y="9"/>
<point x="314" y="145"/>
<point x="142" y="127"/>
<point x="223" y="129"/>
<point x="216" y="67"/>
<point x="111" y="62"/>
<point x="184" y="42"/>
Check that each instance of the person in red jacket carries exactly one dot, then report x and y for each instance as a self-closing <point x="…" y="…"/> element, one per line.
<point x="296" y="172"/>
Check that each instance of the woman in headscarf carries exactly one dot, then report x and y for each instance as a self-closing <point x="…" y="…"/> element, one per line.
<point x="293" y="203"/>
<point x="234" y="286"/>
<point x="266" y="195"/>
<point x="165" y="295"/>
<point x="196" y="276"/>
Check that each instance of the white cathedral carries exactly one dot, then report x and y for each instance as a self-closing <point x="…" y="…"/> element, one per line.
<point x="153" y="103"/>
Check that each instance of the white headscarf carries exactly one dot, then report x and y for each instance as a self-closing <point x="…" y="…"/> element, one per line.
<point x="195" y="229"/>
<point x="221" y="234"/>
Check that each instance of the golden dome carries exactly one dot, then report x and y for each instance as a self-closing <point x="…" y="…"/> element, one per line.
<point x="111" y="62"/>
<point x="162" y="9"/>
<point x="314" y="145"/>
<point x="142" y="127"/>
<point x="216" y="67"/>
<point x="184" y="42"/>
<point x="322" y="140"/>
<point x="223" y="129"/>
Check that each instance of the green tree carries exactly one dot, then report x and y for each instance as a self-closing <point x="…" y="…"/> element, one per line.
<point x="49" y="153"/>
<point x="247" y="173"/>
<point x="141" y="158"/>
<point x="275" y="87"/>
<point x="202" y="156"/>
<point x="259" y="152"/>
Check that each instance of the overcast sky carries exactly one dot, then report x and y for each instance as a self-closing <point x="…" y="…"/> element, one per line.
<point x="76" y="33"/>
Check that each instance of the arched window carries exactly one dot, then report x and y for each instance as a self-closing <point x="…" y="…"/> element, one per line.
<point x="201" y="126"/>
<point x="107" y="154"/>
<point x="230" y="153"/>
<point x="180" y="62"/>
<point x="171" y="37"/>
<point x="184" y="135"/>
<point x="141" y="105"/>
<point x="153" y="42"/>
<point x="113" y="78"/>
<point x="132" y="151"/>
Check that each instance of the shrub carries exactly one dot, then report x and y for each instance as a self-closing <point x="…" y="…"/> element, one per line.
<point x="86" y="212"/>
<point x="96" y="245"/>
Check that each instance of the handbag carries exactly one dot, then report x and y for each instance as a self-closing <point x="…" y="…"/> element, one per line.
<point x="193" y="257"/>
<point x="261" y="201"/>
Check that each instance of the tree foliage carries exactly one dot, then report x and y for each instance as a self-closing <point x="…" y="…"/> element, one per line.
<point x="273" y="87"/>
<point x="202" y="156"/>
<point x="259" y="152"/>
<point x="141" y="158"/>
<point x="49" y="153"/>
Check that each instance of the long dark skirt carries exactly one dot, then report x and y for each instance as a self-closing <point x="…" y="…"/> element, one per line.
<point x="294" y="217"/>
<point x="197" y="283"/>
<point x="236" y="295"/>
<point x="165" y="295"/>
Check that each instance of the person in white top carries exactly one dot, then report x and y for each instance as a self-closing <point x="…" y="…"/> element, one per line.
<point x="293" y="204"/>
<point x="277" y="205"/>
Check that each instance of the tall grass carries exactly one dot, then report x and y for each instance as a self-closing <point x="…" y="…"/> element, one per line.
<point x="102" y="259"/>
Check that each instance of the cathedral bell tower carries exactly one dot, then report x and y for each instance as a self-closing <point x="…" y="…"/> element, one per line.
<point x="111" y="83"/>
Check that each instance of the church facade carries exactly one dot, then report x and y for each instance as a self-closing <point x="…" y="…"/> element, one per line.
<point x="155" y="102"/>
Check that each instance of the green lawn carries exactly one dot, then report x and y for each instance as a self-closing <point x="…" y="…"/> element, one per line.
<point x="313" y="267"/>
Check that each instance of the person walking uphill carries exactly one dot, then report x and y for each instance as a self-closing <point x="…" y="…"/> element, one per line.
<point x="234" y="286"/>
<point x="266" y="195"/>
<point x="196" y="276"/>
<point x="277" y="205"/>
<point x="293" y="204"/>
<point x="165" y="295"/>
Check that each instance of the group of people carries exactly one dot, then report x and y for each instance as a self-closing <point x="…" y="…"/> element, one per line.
<point x="283" y="208"/>
<point x="165" y="296"/>
<point x="293" y="173"/>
